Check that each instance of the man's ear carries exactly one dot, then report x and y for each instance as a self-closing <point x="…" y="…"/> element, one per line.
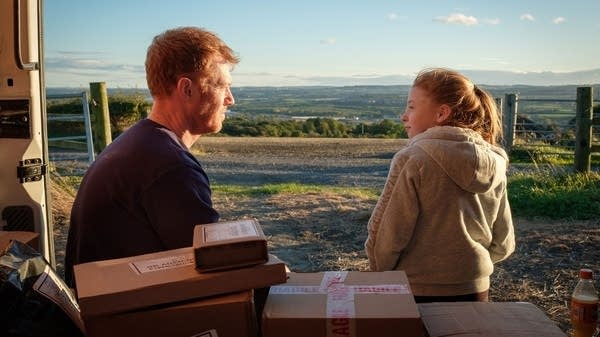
<point x="443" y="113"/>
<point x="184" y="87"/>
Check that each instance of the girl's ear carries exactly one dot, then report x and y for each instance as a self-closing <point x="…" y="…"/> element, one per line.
<point x="443" y="113"/>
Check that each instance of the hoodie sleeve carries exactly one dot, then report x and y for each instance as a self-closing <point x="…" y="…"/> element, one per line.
<point x="392" y="223"/>
<point x="375" y="220"/>
<point x="377" y="215"/>
<point x="503" y="235"/>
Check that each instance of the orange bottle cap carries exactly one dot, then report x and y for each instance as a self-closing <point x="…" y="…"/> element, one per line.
<point x="585" y="273"/>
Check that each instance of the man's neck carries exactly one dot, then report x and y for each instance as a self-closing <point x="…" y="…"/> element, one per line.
<point x="169" y="116"/>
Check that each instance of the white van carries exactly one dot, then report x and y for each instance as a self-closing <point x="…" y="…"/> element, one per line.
<point x="24" y="199"/>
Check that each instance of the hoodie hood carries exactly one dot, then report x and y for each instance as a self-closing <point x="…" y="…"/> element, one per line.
<point x="472" y="163"/>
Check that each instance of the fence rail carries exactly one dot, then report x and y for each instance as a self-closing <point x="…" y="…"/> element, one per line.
<point x="581" y="134"/>
<point x="65" y="117"/>
<point x="85" y="117"/>
<point x="547" y="100"/>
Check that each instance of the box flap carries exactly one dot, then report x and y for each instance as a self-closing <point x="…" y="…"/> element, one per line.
<point x="207" y="317"/>
<point x="487" y="319"/>
<point x="28" y="238"/>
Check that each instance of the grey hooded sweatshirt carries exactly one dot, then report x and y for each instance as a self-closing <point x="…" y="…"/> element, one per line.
<point x="443" y="216"/>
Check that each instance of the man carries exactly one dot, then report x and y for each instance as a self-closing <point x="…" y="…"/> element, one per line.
<point x="145" y="192"/>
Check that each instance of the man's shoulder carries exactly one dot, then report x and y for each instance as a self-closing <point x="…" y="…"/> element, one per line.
<point x="143" y="151"/>
<point x="146" y="138"/>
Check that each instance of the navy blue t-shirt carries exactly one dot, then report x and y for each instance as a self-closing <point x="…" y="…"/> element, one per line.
<point x="144" y="193"/>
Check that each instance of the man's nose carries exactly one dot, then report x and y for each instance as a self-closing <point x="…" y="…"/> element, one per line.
<point x="229" y="100"/>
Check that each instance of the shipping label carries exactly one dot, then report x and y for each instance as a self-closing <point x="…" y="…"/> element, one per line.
<point x="165" y="263"/>
<point x="231" y="230"/>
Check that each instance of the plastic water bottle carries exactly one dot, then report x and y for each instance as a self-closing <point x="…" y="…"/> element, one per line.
<point x="584" y="305"/>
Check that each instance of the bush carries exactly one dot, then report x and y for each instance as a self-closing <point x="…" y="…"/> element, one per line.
<point x="64" y="128"/>
<point x="124" y="110"/>
<point x="242" y="126"/>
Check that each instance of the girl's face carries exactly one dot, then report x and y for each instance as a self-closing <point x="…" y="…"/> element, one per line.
<point x="421" y="112"/>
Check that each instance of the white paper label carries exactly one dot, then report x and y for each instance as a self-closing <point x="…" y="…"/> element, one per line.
<point x="50" y="286"/>
<point x="332" y="278"/>
<point x="229" y="231"/>
<point x="165" y="263"/>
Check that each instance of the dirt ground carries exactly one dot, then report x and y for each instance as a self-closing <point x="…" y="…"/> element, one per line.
<point x="326" y="231"/>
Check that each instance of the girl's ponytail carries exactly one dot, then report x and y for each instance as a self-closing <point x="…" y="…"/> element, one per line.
<point x="492" y="126"/>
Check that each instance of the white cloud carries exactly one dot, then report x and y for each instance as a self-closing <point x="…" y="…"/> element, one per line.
<point x="76" y="64"/>
<point x="71" y="53"/>
<point x="527" y="17"/>
<point x="74" y="68"/>
<point x="392" y="16"/>
<point x="494" y="21"/>
<point x="495" y="61"/>
<point x="458" y="19"/>
<point x="329" y="41"/>
<point x="558" y="20"/>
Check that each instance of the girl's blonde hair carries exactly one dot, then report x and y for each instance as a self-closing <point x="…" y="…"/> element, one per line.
<point x="471" y="107"/>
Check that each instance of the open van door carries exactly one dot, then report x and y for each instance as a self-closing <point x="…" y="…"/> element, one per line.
<point x="24" y="197"/>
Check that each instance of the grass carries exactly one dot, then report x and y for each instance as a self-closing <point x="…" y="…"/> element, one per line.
<point x="293" y="188"/>
<point x="541" y="155"/>
<point x="551" y="191"/>
<point x="558" y="195"/>
<point x="555" y="196"/>
<point x="546" y="154"/>
<point x="545" y="188"/>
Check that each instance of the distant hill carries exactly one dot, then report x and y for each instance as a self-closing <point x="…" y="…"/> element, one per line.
<point x="481" y="77"/>
<point x="358" y="102"/>
<point x="375" y="95"/>
<point x="547" y="78"/>
<point x="487" y="77"/>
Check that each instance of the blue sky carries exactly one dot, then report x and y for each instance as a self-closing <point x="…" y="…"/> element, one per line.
<point x="319" y="42"/>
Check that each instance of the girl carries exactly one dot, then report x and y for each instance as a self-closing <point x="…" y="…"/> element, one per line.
<point x="443" y="216"/>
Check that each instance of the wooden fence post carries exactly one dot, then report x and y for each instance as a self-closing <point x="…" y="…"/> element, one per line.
<point x="102" y="132"/>
<point x="509" y="120"/>
<point x="583" y="136"/>
<point x="499" y="101"/>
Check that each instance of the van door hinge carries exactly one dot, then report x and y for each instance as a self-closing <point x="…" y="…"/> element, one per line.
<point x="30" y="170"/>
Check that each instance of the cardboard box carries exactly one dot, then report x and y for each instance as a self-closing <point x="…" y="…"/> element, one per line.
<point x="229" y="315"/>
<point x="31" y="239"/>
<point x="227" y="245"/>
<point x="342" y="304"/>
<point x="125" y="284"/>
<point x="489" y="319"/>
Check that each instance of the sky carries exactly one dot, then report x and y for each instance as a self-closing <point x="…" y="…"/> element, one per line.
<point x="310" y="42"/>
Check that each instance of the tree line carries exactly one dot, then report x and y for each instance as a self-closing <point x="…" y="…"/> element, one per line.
<point x="127" y="109"/>
<point x="311" y="127"/>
